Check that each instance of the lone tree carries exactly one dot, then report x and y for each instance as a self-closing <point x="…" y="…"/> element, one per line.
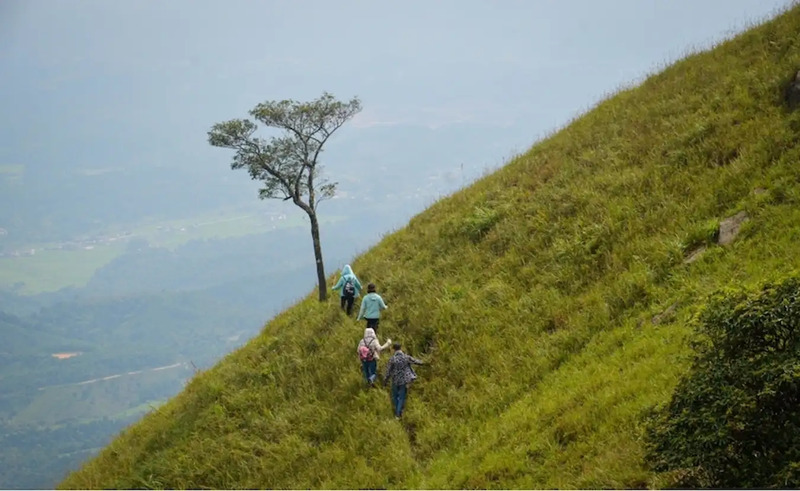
<point x="288" y="164"/>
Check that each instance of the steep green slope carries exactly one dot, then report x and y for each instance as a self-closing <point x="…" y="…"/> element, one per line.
<point x="536" y="294"/>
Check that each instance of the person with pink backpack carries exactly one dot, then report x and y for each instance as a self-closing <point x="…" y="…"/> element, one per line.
<point x="369" y="350"/>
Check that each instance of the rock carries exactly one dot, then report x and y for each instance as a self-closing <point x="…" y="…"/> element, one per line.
<point x="694" y="255"/>
<point x="729" y="228"/>
<point x="759" y="191"/>
<point x="793" y="93"/>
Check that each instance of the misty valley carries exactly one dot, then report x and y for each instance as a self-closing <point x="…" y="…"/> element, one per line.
<point x="106" y="312"/>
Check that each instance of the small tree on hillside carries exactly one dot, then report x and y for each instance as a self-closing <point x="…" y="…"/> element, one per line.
<point x="288" y="164"/>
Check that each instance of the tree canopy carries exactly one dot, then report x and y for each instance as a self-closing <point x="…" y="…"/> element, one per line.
<point x="288" y="165"/>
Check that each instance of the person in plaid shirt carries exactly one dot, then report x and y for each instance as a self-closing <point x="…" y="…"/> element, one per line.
<point x="400" y="372"/>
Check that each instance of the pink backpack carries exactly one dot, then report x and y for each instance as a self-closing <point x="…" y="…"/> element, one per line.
<point x="364" y="352"/>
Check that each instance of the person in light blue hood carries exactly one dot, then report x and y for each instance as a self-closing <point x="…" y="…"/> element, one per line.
<point x="371" y="306"/>
<point x="350" y="286"/>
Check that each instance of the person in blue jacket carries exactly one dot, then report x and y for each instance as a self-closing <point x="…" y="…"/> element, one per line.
<point x="371" y="306"/>
<point x="350" y="286"/>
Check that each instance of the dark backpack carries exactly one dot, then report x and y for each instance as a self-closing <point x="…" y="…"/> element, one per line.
<point x="349" y="289"/>
<point x="364" y="351"/>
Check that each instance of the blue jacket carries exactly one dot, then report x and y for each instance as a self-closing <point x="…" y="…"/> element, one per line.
<point x="371" y="306"/>
<point x="347" y="273"/>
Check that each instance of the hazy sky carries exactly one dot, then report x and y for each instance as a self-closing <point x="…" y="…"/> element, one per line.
<point x="135" y="80"/>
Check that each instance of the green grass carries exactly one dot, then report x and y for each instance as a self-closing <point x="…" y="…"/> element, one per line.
<point x="143" y="408"/>
<point x="217" y="226"/>
<point x="52" y="270"/>
<point x="532" y="293"/>
<point x="116" y="398"/>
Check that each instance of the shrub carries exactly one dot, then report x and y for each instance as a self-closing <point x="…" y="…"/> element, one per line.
<point x="734" y="420"/>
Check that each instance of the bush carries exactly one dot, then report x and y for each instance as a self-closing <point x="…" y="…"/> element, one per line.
<point x="734" y="420"/>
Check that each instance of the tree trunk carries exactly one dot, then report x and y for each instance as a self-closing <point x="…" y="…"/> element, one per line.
<point x="323" y="286"/>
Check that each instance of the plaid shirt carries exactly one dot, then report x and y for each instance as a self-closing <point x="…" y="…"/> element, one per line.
<point x="399" y="369"/>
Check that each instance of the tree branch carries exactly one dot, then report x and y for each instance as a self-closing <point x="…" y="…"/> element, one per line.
<point x="287" y="165"/>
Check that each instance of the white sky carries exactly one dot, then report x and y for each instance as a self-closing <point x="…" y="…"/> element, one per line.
<point x="95" y="78"/>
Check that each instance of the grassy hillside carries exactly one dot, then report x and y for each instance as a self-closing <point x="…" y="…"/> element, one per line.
<point x="534" y="294"/>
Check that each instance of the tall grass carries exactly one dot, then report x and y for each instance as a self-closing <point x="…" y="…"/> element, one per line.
<point x="533" y="294"/>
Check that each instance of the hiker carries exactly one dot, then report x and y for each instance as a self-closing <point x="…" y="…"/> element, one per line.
<point x="371" y="306"/>
<point x="400" y="372"/>
<point x="369" y="349"/>
<point x="350" y="286"/>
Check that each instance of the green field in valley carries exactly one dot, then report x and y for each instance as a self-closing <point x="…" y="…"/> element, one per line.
<point x="49" y="267"/>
